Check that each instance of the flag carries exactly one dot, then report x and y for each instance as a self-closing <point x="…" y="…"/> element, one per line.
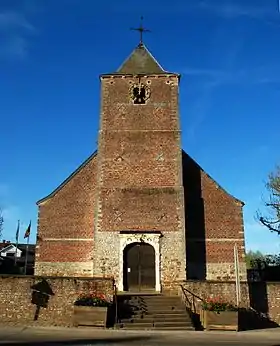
<point x="27" y="232"/>
<point x="17" y="232"/>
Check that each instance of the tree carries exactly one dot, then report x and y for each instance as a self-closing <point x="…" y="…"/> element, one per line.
<point x="1" y="222"/>
<point x="272" y="219"/>
<point x="257" y="260"/>
<point x="254" y="259"/>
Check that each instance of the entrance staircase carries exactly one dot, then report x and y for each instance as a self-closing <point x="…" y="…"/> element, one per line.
<point x="152" y="312"/>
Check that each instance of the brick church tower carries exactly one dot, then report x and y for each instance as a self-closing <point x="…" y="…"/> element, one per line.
<point x="140" y="209"/>
<point x="139" y="174"/>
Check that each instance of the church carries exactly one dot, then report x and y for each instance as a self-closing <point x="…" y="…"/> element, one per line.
<point x="140" y="209"/>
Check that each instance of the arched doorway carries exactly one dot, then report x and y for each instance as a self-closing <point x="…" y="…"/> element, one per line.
<point x="139" y="267"/>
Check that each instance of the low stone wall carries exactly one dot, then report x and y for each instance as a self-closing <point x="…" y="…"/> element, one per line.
<point x="262" y="297"/>
<point x="46" y="301"/>
<point x="265" y="298"/>
<point x="196" y="291"/>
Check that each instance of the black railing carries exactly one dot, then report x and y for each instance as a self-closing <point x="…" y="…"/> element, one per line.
<point x="190" y="301"/>
<point x="191" y="307"/>
<point x="116" y="304"/>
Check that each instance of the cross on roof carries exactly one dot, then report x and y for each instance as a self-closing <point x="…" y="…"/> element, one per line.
<point x="141" y="30"/>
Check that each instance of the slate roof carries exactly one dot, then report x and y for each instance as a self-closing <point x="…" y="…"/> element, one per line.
<point x="141" y="61"/>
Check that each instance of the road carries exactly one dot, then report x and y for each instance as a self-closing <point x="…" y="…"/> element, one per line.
<point x="75" y="337"/>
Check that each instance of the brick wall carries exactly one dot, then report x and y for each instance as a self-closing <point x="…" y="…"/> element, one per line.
<point x="139" y="157"/>
<point x="223" y="228"/>
<point x="263" y="297"/>
<point x="138" y="182"/>
<point x="139" y="171"/>
<point x="66" y="225"/>
<point x="214" y="223"/>
<point x="16" y="296"/>
<point x="212" y="289"/>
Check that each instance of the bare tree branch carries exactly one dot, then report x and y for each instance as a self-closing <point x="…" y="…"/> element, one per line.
<point x="272" y="222"/>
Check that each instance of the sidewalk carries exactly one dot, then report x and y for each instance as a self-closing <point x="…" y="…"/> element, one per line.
<point x="88" y="332"/>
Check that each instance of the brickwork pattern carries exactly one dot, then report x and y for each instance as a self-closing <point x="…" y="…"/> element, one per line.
<point x="273" y="301"/>
<point x="71" y="251"/>
<point x="214" y="224"/>
<point x="60" y="268"/>
<point x="17" y="308"/>
<point x="68" y="214"/>
<point x="172" y="269"/>
<point x="261" y="296"/>
<point x="226" y="270"/>
<point x="139" y="170"/>
<point x="137" y="183"/>
<point x="211" y="289"/>
<point x="223" y="213"/>
<point x="223" y="220"/>
<point x="160" y="113"/>
<point x="16" y="297"/>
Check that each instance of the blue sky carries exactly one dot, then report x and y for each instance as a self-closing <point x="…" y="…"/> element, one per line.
<point x="51" y="55"/>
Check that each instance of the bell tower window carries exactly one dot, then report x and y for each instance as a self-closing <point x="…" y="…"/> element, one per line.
<point x="139" y="94"/>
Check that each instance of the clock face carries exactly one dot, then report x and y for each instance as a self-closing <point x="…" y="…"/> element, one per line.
<point x="139" y="93"/>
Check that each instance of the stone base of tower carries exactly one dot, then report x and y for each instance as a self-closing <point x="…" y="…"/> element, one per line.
<point x="225" y="271"/>
<point x="166" y="263"/>
<point x="69" y="269"/>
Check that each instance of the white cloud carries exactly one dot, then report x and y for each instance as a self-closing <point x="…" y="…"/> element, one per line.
<point x="212" y="80"/>
<point x="11" y="21"/>
<point x="15" y="30"/>
<point x="248" y="76"/>
<point x="230" y="9"/>
<point x="200" y="108"/>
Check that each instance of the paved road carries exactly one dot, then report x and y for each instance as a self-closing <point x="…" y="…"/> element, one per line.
<point x="76" y="337"/>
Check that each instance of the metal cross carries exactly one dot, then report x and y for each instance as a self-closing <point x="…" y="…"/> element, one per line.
<point x="141" y="29"/>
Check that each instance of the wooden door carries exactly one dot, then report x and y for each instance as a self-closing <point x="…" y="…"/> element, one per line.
<point x="139" y="267"/>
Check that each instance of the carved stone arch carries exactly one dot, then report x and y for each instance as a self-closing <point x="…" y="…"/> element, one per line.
<point x="150" y="238"/>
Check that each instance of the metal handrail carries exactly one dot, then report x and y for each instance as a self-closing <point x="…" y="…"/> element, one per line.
<point x="192" y="302"/>
<point x="116" y="304"/>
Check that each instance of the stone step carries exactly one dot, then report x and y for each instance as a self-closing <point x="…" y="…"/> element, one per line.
<point x="170" y="316"/>
<point x="159" y="315"/>
<point x="158" y="311"/>
<point x="150" y="302"/>
<point x="164" y="317"/>
<point x="159" y="299"/>
<point x="155" y="320"/>
<point x="167" y="310"/>
<point x="175" y="328"/>
<point x="150" y="298"/>
<point x="162" y="307"/>
<point x="153" y="312"/>
<point x="158" y="325"/>
<point x="158" y="302"/>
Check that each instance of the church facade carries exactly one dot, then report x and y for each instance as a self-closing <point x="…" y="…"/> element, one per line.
<point x="140" y="209"/>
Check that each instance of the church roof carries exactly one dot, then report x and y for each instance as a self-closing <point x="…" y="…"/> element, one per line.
<point x="186" y="158"/>
<point x="141" y="61"/>
<point x="94" y="154"/>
